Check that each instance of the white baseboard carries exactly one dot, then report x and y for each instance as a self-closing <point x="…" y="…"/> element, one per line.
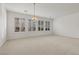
<point x="33" y="36"/>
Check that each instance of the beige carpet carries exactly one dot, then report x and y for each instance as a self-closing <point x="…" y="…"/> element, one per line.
<point x="43" y="45"/>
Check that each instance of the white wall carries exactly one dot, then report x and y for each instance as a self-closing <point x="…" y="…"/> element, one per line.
<point x="2" y="24"/>
<point x="67" y="25"/>
<point x="15" y="35"/>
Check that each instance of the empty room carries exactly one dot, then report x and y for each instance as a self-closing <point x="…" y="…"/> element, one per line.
<point x="39" y="28"/>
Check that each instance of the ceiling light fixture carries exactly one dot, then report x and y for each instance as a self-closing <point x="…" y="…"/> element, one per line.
<point x="34" y="16"/>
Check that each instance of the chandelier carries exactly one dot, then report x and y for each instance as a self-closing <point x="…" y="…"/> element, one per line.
<point x="34" y="16"/>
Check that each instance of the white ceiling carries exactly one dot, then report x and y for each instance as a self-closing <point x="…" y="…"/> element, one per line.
<point x="54" y="10"/>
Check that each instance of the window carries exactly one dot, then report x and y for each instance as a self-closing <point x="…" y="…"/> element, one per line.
<point x="22" y="24"/>
<point x="17" y="28"/>
<point x="47" y="25"/>
<point x="39" y="25"/>
<point x="42" y="25"/>
<point x="29" y="25"/>
<point x="32" y="25"/>
<point x="19" y="24"/>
